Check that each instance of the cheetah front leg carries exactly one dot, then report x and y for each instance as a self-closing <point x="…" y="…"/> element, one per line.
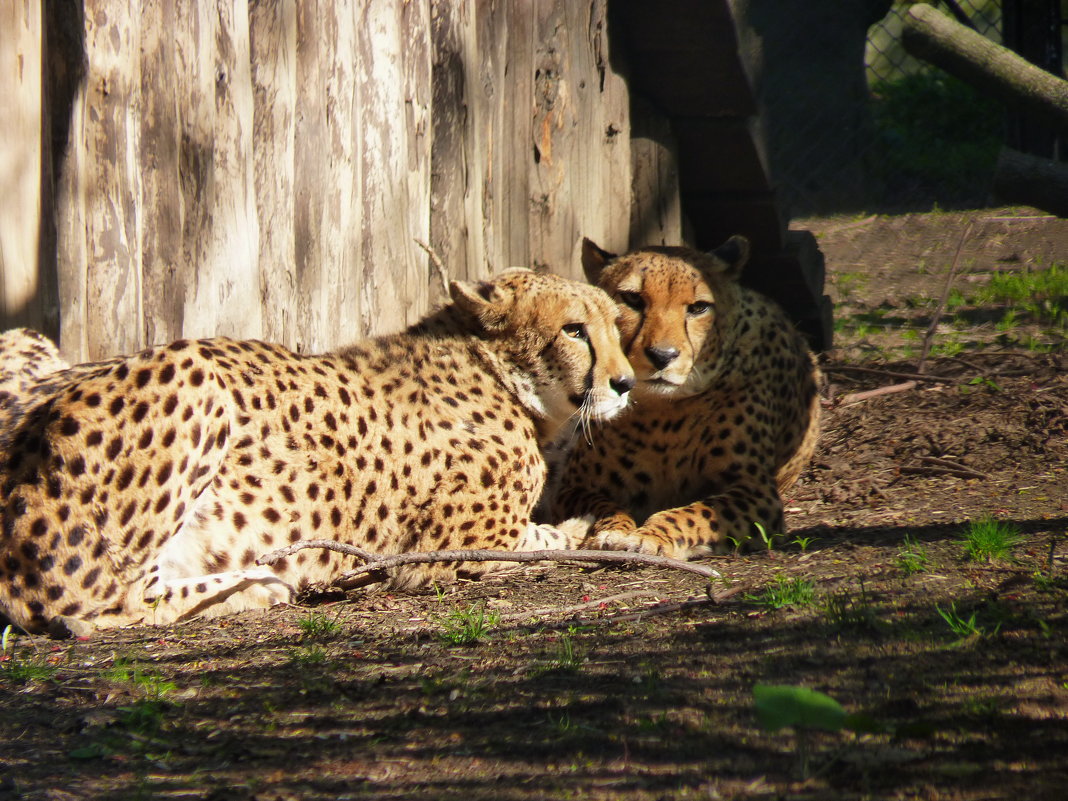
<point x="565" y="536"/>
<point x="715" y="524"/>
<point x="163" y="602"/>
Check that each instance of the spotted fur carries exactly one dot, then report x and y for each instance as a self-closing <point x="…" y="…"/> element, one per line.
<point x="723" y="419"/>
<point x="143" y="489"/>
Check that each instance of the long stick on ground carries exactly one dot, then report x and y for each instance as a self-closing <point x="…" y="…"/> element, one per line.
<point x="937" y="316"/>
<point x="376" y="562"/>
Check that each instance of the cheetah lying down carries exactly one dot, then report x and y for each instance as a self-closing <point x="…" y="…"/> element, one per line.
<point x="143" y="489"/>
<point x="724" y="417"/>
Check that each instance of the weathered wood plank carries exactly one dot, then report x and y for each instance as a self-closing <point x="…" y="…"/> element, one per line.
<point x="161" y="205"/>
<point x="99" y="221"/>
<point x="20" y="164"/>
<point x="455" y="199"/>
<point x="580" y="176"/>
<point x="265" y="169"/>
<point x="655" y="212"/>
<point x="393" y="90"/>
<point x="220" y="262"/>
<point x="273" y="44"/>
<point x="327" y="177"/>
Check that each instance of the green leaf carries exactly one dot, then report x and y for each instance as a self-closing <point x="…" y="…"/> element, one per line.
<point x="778" y="706"/>
<point x="91" y="751"/>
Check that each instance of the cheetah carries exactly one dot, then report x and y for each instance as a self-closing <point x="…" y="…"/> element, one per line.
<point x="25" y="357"/>
<point x="723" y="419"/>
<point x="143" y="489"/>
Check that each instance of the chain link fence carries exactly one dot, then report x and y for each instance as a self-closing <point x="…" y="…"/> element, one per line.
<point x="853" y="122"/>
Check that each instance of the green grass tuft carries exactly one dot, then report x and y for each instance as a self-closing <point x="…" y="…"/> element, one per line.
<point x="783" y="591"/>
<point x="988" y="539"/>
<point x="468" y="626"/>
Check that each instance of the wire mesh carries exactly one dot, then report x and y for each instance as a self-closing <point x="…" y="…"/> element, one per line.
<point x="887" y="132"/>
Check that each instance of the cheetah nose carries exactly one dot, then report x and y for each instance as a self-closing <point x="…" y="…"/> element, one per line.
<point x="661" y="357"/>
<point x="622" y="385"/>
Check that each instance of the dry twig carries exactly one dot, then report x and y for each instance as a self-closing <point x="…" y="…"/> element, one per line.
<point x="376" y="562"/>
<point x="892" y="374"/>
<point x="934" y="466"/>
<point x="929" y="336"/>
<point x="949" y="463"/>
<point x="435" y="259"/>
<point x="857" y="397"/>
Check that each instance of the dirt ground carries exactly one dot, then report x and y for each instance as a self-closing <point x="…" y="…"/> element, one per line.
<point x="633" y="683"/>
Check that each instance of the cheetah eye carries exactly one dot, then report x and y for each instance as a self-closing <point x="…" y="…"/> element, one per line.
<point x="633" y="299"/>
<point x="576" y="331"/>
<point x="699" y="308"/>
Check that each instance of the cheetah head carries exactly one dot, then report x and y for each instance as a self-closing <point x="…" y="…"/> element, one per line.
<point x="562" y="336"/>
<point x="676" y="309"/>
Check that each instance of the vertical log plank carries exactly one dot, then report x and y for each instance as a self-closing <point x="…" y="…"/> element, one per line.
<point x="502" y="110"/>
<point x="326" y="177"/>
<point x="161" y="205"/>
<point x="219" y="259"/>
<point x="456" y="210"/>
<point x="273" y="42"/>
<point x="580" y="178"/>
<point x="394" y="98"/>
<point x="656" y="213"/>
<point x="20" y="164"/>
<point x="100" y="229"/>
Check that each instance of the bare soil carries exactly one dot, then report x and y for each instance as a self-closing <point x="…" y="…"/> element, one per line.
<point x="649" y="696"/>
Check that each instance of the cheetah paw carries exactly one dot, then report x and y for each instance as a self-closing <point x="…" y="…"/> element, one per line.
<point x="634" y="541"/>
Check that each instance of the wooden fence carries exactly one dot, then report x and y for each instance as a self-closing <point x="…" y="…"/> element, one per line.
<point x="267" y="168"/>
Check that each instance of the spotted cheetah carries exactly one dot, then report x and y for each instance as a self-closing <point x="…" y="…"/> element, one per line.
<point x="25" y="357"/>
<point x="143" y="489"/>
<point x="724" y="417"/>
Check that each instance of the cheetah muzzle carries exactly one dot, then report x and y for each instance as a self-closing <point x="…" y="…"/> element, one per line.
<point x="143" y="489"/>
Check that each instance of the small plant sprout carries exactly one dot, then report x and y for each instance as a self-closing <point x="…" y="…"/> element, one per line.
<point x="568" y="659"/>
<point x="782" y="591"/>
<point x="983" y="381"/>
<point x="805" y="710"/>
<point x="803" y="542"/>
<point x="19" y="669"/>
<point x="965" y="629"/>
<point x="988" y="539"/>
<point x="769" y="540"/>
<point x="468" y="626"/>
<point x="316" y="625"/>
<point x="912" y="558"/>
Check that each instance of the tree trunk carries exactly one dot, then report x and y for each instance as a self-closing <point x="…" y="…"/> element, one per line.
<point x="960" y="51"/>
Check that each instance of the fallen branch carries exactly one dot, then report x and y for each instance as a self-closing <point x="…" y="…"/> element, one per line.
<point x="329" y="545"/>
<point x="929" y="336"/>
<point x="934" y="470"/>
<point x="376" y="562"/>
<point x="892" y="374"/>
<point x="857" y="397"/>
<point x="992" y="69"/>
<point x="951" y="465"/>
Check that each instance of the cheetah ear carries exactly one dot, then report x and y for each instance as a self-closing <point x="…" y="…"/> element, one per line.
<point x="733" y="253"/>
<point x="485" y="301"/>
<point x="594" y="260"/>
